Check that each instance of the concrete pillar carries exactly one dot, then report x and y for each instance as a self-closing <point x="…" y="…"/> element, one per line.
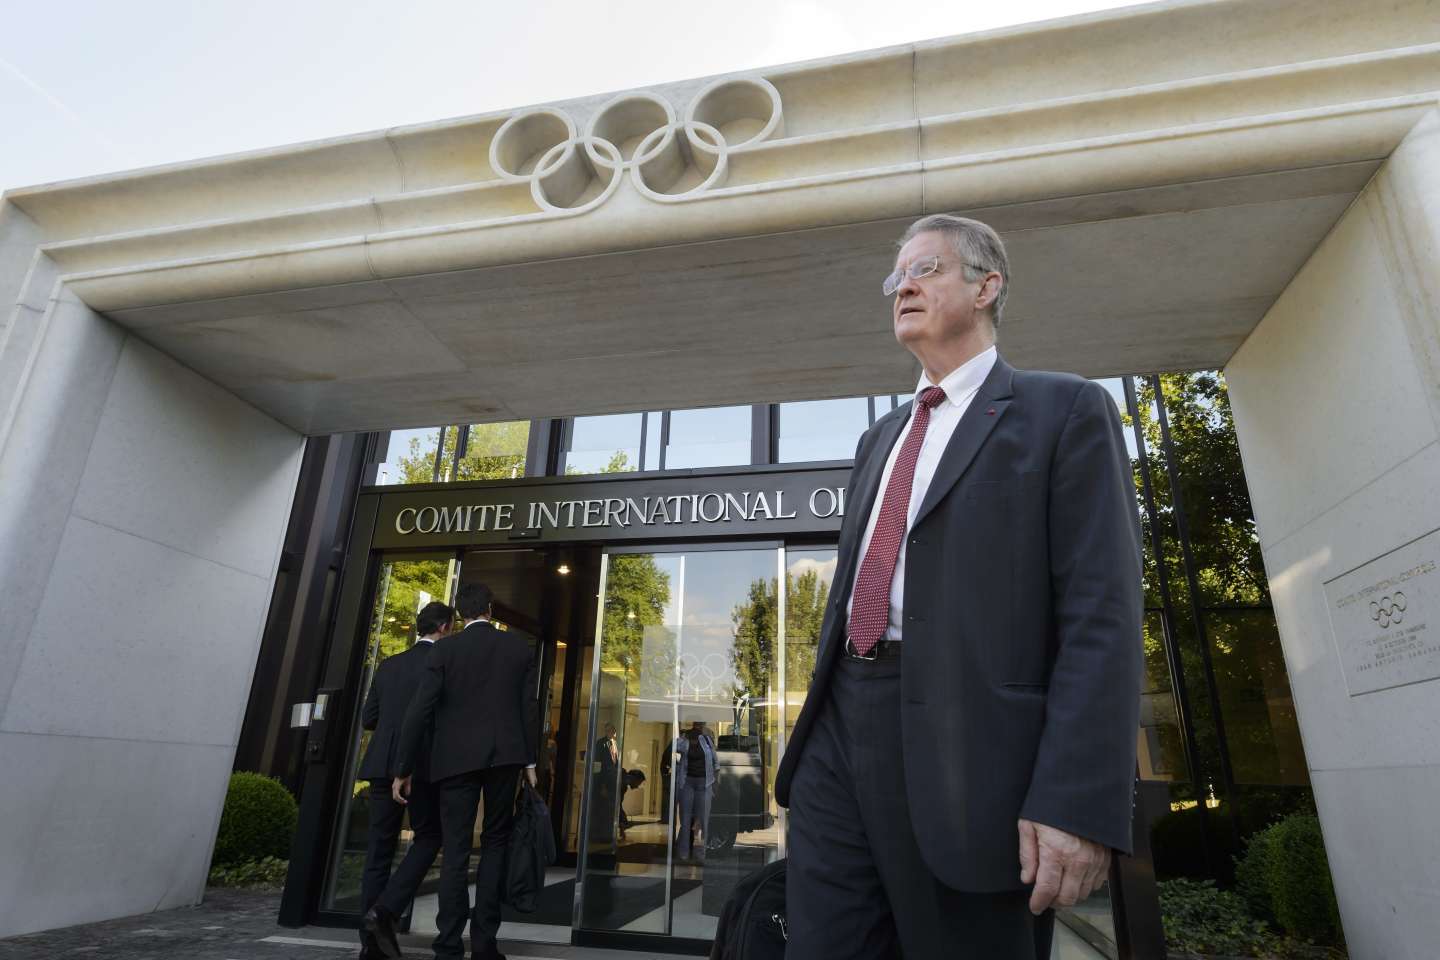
<point x="142" y="510"/>
<point x="1337" y="406"/>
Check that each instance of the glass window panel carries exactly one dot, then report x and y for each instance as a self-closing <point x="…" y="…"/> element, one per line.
<point x="1211" y="478"/>
<point x="886" y="402"/>
<point x="1255" y="700"/>
<point x="1115" y="386"/>
<point x="687" y="646"/>
<point x="654" y="420"/>
<point x="808" y="579"/>
<point x="713" y="437"/>
<point x="582" y="752"/>
<point x="493" y="451"/>
<point x="604" y="444"/>
<point x="410" y="458"/>
<point x="1161" y="750"/>
<point x="405" y="587"/>
<point x="822" y="429"/>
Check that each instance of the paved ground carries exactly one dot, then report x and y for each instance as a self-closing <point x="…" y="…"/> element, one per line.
<point x="236" y="925"/>
<point x="240" y="925"/>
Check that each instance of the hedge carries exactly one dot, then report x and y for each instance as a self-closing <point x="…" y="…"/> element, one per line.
<point x="258" y="821"/>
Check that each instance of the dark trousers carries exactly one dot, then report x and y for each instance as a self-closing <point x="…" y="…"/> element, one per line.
<point x="459" y="797"/>
<point x="857" y="884"/>
<point x="393" y="892"/>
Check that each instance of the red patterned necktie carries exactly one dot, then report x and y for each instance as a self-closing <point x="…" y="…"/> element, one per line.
<point x="870" y="608"/>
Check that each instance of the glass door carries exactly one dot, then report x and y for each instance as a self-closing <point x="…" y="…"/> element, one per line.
<point x="686" y="726"/>
<point x="406" y="584"/>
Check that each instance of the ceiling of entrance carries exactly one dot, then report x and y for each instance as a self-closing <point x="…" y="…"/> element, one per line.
<point x="1163" y="278"/>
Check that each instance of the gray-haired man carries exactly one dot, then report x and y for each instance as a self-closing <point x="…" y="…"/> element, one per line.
<point x="966" y="755"/>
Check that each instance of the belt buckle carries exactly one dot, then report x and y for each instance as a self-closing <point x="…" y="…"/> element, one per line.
<point x="853" y="655"/>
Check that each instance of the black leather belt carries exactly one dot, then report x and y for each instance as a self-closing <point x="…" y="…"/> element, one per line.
<point x="884" y="650"/>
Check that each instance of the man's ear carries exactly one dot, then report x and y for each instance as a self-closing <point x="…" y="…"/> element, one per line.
<point x="989" y="290"/>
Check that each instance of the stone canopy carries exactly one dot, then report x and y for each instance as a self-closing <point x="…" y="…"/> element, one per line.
<point x="1159" y="173"/>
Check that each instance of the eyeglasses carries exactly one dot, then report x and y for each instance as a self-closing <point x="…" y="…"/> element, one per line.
<point x="920" y="268"/>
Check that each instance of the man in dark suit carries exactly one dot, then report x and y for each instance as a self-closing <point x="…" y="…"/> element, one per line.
<point x="396" y="680"/>
<point x="479" y="697"/>
<point x="965" y="758"/>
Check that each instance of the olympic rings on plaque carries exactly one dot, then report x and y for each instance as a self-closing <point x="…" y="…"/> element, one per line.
<point x="1388" y="611"/>
<point x="667" y="156"/>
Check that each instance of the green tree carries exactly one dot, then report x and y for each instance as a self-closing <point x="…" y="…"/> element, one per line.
<point x="407" y="586"/>
<point x="805" y="600"/>
<point x="1211" y="485"/>
<point x="1232" y="595"/>
<point x="752" y="653"/>
<point x="756" y="620"/>
<point x="619" y="463"/>
<point x="493" y="451"/>
<point x="637" y="592"/>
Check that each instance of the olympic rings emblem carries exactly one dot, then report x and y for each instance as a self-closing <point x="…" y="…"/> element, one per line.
<point x="667" y="157"/>
<point x="1388" y="610"/>
<point x="701" y="675"/>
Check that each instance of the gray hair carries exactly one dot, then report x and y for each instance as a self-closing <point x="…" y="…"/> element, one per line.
<point x="977" y="245"/>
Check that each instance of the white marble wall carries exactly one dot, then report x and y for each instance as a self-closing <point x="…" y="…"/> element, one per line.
<point x="142" y="510"/>
<point x="1337" y="408"/>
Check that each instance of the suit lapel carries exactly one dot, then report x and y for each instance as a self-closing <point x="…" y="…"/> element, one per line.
<point x="865" y="486"/>
<point x="985" y="411"/>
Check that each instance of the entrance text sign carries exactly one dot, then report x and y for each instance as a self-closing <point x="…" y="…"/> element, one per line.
<point x="1386" y="617"/>
<point x="743" y="504"/>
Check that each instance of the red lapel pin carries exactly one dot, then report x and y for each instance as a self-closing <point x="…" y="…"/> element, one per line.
<point x="990" y="412"/>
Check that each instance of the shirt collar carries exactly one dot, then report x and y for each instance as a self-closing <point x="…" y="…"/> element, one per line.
<point x="964" y="379"/>
<point x="469" y="623"/>
<point x="424" y="640"/>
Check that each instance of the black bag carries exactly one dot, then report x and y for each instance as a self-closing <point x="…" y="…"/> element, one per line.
<point x="752" y="922"/>
<point x="531" y="849"/>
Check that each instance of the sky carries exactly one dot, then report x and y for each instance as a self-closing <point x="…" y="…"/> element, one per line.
<point x="97" y="86"/>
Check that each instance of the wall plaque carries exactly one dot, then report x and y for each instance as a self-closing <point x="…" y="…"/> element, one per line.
<point x="1386" y="617"/>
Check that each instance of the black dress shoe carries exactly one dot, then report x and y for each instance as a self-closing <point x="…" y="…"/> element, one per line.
<point x="380" y="925"/>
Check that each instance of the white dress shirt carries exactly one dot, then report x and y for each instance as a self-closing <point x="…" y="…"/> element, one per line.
<point x="960" y="387"/>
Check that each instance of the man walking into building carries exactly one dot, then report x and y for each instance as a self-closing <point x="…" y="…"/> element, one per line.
<point x="479" y="699"/>
<point x="965" y="758"/>
<point x="396" y="680"/>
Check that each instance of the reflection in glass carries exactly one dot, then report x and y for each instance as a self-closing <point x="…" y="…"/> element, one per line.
<point x="491" y="451"/>
<point x="808" y="576"/>
<point x="714" y="437"/>
<point x="405" y="587"/>
<point x="1261" y="729"/>
<point x="604" y="444"/>
<point x="688" y="643"/>
<point x="1161" y="753"/>
<point x="822" y="429"/>
<point x="410" y="457"/>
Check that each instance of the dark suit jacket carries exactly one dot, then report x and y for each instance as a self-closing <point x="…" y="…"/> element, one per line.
<point x="1022" y="634"/>
<point x="396" y="680"/>
<point x="478" y="694"/>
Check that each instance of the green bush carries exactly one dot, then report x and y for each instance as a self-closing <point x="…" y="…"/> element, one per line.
<point x="1302" y="896"/>
<point x="258" y="821"/>
<point x="1198" y="918"/>
<point x="1252" y="874"/>
<point x="269" y="872"/>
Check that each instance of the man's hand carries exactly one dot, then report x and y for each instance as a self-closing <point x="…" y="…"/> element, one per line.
<point x="1064" y="868"/>
<point x="530" y="776"/>
<point x="400" y="789"/>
